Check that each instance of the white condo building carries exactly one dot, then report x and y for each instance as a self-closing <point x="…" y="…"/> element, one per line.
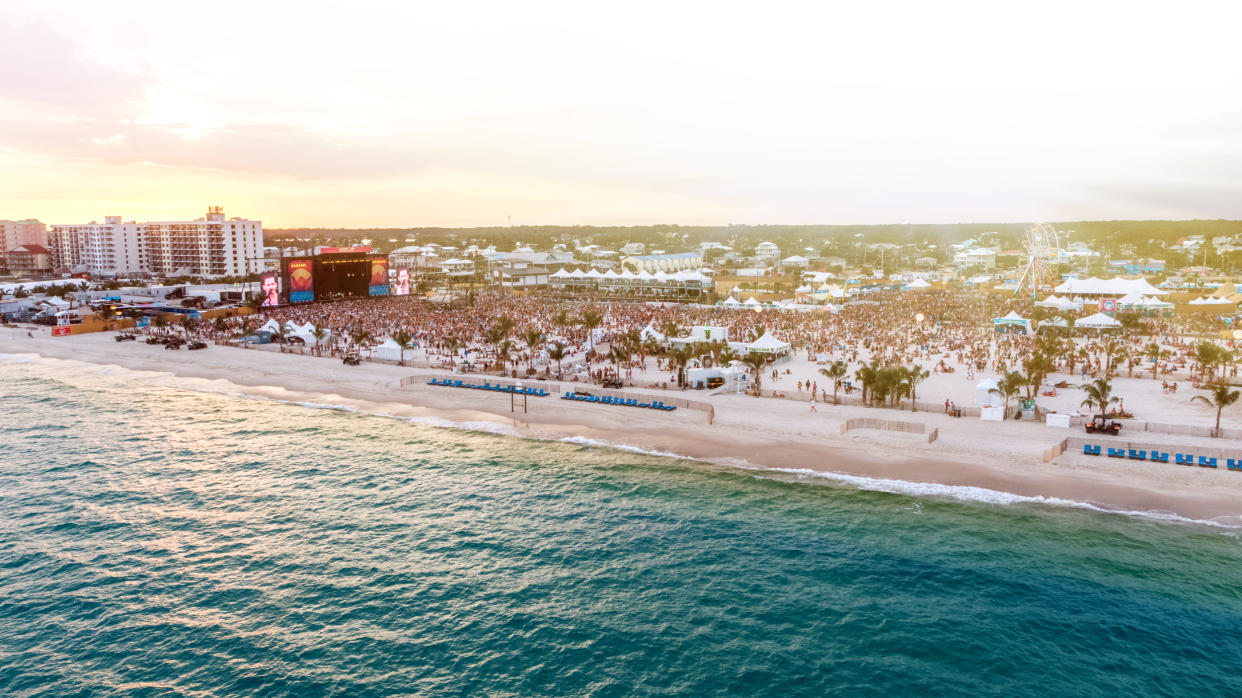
<point x="208" y="246"/>
<point x="101" y="249"/>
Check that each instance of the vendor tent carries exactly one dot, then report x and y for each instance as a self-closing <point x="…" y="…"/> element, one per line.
<point x="388" y="351"/>
<point x="1012" y="321"/>
<point x="767" y="344"/>
<point x="1099" y="321"/>
<point x="916" y="285"/>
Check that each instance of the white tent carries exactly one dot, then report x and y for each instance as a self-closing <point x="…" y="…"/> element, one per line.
<point x="984" y="397"/>
<point x="752" y="303"/>
<point x="1057" y="321"/>
<point x="593" y="274"/>
<point x="649" y="332"/>
<point x="767" y="344"/>
<point x="1212" y="300"/>
<point x="803" y="289"/>
<point x="388" y="351"/>
<point x="1099" y="321"/>
<point x="1116" y="286"/>
<point x="270" y="326"/>
<point x="644" y="275"/>
<point x="561" y="274"/>
<point x="917" y="285"/>
<point x="732" y="302"/>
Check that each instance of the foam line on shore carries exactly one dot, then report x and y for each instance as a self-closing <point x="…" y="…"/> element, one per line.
<point x="332" y="401"/>
<point x="968" y="493"/>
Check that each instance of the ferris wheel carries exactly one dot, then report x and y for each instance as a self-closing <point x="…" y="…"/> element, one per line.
<point x="1043" y="249"/>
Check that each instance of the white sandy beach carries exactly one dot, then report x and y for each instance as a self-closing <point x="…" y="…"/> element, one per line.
<point x="749" y="432"/>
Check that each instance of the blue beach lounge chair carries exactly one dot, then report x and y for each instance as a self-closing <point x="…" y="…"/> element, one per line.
<point x="1207" y="462"/>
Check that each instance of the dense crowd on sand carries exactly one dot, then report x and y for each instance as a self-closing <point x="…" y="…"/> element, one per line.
<point x="956" y="335"/>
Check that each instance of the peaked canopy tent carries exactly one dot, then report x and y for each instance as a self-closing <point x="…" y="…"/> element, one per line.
<point x="767" y="344"/>
<point x="1116" y="286"/>
<point x="1057" y="322"/>
<point x="1099" y="321"/>
<point x="1011" y="322"/>
<point x="649" y="332"/>
<point x="388" y="351"/>
<point x="916" y="285"/>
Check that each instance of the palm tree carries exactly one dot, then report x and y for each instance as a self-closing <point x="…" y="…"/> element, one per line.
<point x="556" y="352"/>
<point x="835" y="372"/>
<point x="187" y="324"/>
<point x="590" y="319"/>
<point x="915" y="375"/>
<point x="453" y="344"/>
<point x="278" y="336"/>
<point x="533" y="338"/>
<point x="404" y="341"/>
<point x="159" y="322"/>
<point x="1009" y="387"/>
<point x="358" y="337"/>
<point x="1207" y="355"/>
<point x="1220" y="397"/>
<point x="726" y="355"/>
<point x="679" y="358"/>
<point x="670" y="328"/>
<point x="1155" y="353"/>
<point x="106" y="313"/>
<point x="318" y="332"/>
<point x="503" y="349"/>
<point x="1037" y="368"/>
<point x="756" y="362"/>
<point x="866" y="375"/>
<point x="1099" y="392"/>
<point x="220" y="325"/>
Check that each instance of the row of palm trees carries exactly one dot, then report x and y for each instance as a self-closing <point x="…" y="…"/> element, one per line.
<point x="881" y="384"/>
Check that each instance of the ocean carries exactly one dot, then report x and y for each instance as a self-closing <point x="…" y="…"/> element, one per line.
<point x="160" y="540"/>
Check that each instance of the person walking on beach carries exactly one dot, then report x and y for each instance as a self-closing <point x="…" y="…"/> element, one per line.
<point x="812" y="402"/>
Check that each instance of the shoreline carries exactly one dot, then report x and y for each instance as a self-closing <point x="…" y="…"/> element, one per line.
<point x="972" y="461"/>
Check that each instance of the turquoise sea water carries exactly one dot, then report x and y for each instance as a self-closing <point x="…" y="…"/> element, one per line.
<point x="161" y="541"/>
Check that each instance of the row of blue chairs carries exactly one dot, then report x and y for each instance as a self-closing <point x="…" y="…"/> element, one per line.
<point x="1159" y="457"/>
<point x="1132" y="454"/>
<point x="1189" y="459"/>
<point x="623" y="402"/>
<point x="450" y="383"/>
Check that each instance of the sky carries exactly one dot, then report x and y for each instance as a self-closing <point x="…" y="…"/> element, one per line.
<point x="403" y="114"/>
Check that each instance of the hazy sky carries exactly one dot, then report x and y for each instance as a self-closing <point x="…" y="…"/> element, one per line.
<point x="409" y="113"/>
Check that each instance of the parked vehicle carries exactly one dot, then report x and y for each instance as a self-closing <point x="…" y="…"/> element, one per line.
<point x="1100" y="424"/>
<point x="126" y="337"/>
<point x="351" y="360"/>
<point x="196" y="345"/>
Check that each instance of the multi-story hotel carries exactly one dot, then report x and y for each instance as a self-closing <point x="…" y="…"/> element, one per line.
<point x="27" y="232"/>
<point x="101" y="249"/>
<point x="208" y="246"/>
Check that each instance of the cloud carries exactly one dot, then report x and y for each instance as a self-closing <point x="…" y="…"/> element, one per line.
<point x="43" y="66"/>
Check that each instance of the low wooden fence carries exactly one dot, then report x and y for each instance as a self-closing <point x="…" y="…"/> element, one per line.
<point x="890" y="425"/>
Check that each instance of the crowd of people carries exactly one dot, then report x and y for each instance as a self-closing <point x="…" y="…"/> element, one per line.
<point x="942" y="331"/>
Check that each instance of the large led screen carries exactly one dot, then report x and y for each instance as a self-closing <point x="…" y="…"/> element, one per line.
<point x="301" y="281"/>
